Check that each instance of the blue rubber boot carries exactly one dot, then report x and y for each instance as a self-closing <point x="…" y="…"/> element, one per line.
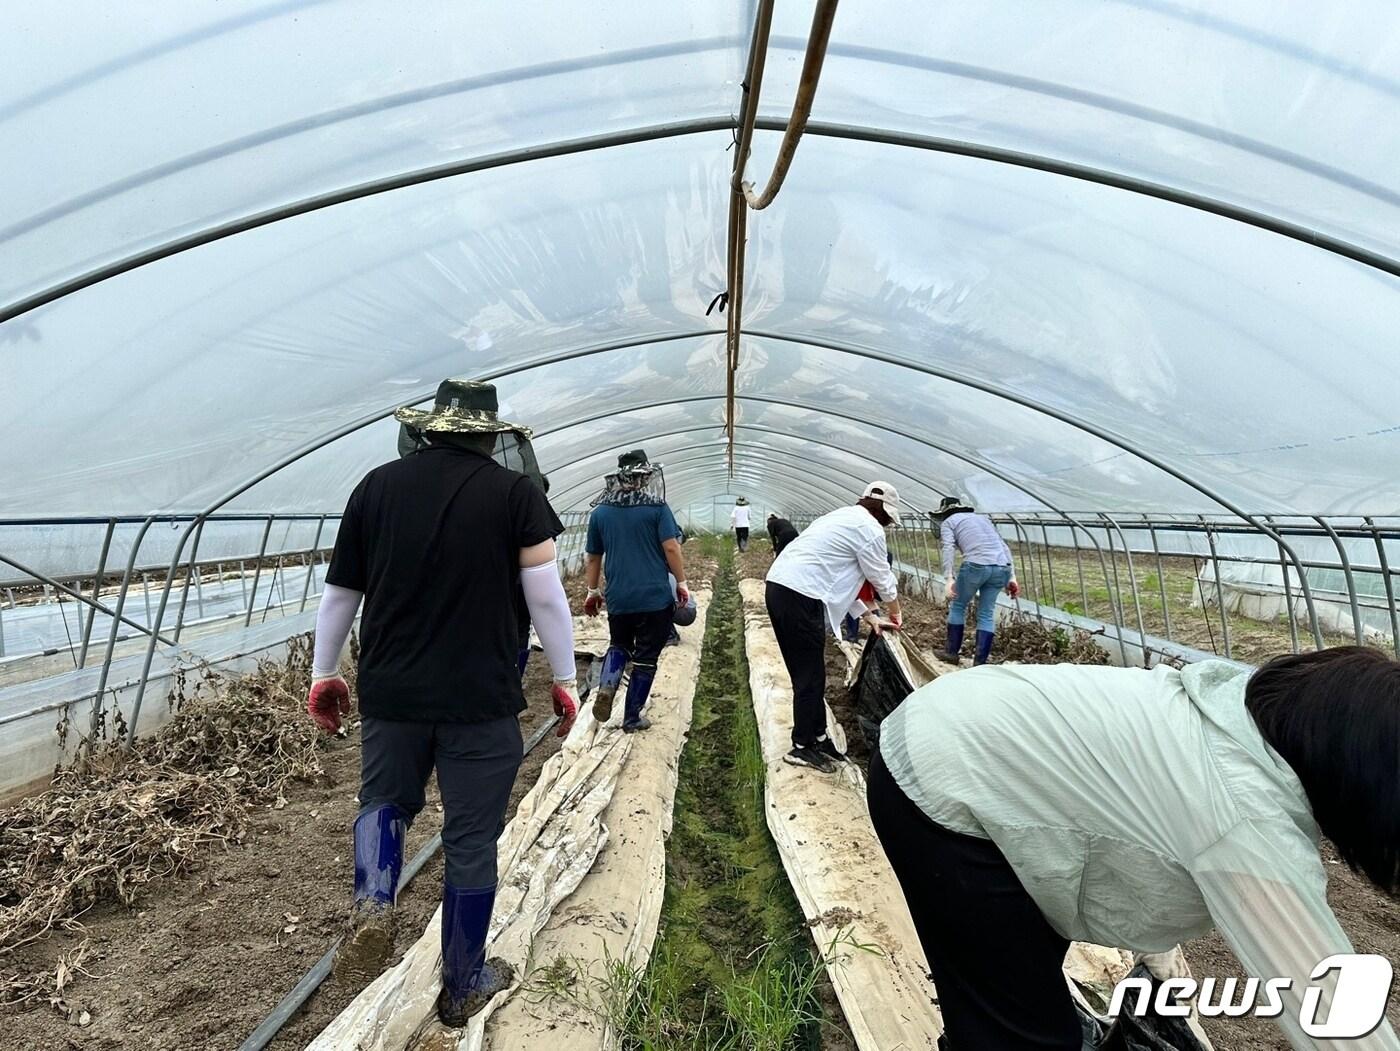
<point x="378" y="837"/>
<point x="469" y="979"/>
<point x="613" y="662"/>
<point x="955" y="641"/>
<point x="638" y="690"/>
<point x="521" y="659"/>
<point x="984" y="646"/>
<point x="850" y="629"/>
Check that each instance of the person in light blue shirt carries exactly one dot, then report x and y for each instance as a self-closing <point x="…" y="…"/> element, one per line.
<point x="985" y="571"/>
<point x="1024" y="807"/>
<point x="634" y="542"/>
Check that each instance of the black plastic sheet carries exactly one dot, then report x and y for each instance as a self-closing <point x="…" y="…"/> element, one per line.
<point x="880" y="687"/>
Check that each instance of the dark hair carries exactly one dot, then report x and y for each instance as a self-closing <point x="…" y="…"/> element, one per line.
<point x="1334" y="716"/>
<point x="877" y="508"/>
<point x="471" y="441"/>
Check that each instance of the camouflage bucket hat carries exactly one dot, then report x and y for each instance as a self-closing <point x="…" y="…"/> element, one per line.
<point x="461" y="407"/>
<point x="634" y="462"/>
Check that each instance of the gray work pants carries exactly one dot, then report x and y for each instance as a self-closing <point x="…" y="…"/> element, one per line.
<point x="476" y="766"/>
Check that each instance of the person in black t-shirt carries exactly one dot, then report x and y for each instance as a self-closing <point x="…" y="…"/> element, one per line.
<point x="439" y="544"/>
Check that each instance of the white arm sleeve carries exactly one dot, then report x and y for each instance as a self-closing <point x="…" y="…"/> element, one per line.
<point x="338" y="608"/>
<point x="549" y="613"/>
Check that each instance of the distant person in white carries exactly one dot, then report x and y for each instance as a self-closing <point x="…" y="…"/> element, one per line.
<point x="985" y="570"/>
<point x="811" y="586"/>
<point x="739" y="522"/>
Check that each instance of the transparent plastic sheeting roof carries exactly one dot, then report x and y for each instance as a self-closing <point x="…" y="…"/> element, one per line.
<point x="882" y="277"/>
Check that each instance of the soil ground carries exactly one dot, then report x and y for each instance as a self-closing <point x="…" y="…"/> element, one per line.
<point x="1371" y="919"/>
<point x="202" y="960"/>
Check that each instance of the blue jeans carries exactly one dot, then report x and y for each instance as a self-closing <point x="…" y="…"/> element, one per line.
<point x="985" y="582"/>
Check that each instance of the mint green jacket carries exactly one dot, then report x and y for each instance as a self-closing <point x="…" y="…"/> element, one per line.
<point x="1139" y="809"/>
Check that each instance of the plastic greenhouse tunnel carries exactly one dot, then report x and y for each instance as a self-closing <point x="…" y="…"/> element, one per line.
<point x="1120" y="277"/>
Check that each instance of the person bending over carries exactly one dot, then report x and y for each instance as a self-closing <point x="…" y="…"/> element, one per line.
<point x="985" y="570"/>
<point x="781" y="533"/>
<point x="1023" y="807"/>
<point x="810" y="587"/>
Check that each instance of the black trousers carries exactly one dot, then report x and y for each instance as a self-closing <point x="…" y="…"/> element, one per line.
<point x="476" y="765"/>
<point x="741" y="534"/>
<point x="799" y="623"/>
<point x="996" y="962"/>
<point x="641" y="635"/>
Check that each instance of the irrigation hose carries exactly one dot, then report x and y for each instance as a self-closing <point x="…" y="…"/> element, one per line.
<point x="822" y="19"/>
<point x="321" y="969"/>
<point x="742" y="194"/>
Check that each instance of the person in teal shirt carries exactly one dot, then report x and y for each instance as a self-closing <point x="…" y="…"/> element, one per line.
<point x="633" y="542"/>
<point x="1025" y="807"/>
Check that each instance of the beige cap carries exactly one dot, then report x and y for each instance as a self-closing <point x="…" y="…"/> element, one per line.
<point x="887" y="495"/>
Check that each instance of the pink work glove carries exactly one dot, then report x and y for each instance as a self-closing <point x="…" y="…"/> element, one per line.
<point x="328" y="700"/>
<point x="565" y="695"/>
<point x="682" y="594"/>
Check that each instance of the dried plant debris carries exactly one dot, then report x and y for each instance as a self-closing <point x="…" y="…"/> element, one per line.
<point x="1025" y="639"/>
<point x="120" y="817"/>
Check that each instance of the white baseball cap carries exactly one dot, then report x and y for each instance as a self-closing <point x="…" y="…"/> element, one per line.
<point x="887" y="495"/>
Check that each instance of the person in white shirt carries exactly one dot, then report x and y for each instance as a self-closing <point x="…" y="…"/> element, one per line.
<point x="985" y="571"/>
<point x="811" y="586"/>
<point x="739" y="522"/>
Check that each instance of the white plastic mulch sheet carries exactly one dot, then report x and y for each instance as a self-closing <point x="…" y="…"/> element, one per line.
<point x="843" y="882"/>
<point x="546" y="852"/>
<point x="614" y="913"/>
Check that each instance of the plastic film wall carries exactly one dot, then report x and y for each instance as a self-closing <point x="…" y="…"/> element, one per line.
<point x="965" y="309"/>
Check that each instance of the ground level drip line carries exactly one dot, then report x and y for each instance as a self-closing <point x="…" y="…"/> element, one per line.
<point x="321" y="969"/>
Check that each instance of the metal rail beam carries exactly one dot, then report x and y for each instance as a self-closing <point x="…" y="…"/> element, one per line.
<point x="1102" y="433"/>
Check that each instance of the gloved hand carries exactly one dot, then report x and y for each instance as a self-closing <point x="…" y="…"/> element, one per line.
<point x="565" y="695"/>
<point x="682" y="594"/>
<point x="1164" y="965"/>
<point x="878" y="624"/>
<point x="327" y="701"/>
<point x="950" y="589"/>
<point x="593" y="604"/>
<point x="1013" y="589"/>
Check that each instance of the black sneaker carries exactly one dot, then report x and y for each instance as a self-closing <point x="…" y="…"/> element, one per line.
<point x="810" y="755"/>
<point x="828" y="748"/>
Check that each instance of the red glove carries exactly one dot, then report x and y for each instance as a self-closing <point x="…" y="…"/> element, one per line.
<point x="328" y="700"/>
<point x="867" y="594"/>
<point x="1013" y="589"/>
<point x="682" y="594"/>
<point x="593" y="604"/>
<point x="565" y="695"/>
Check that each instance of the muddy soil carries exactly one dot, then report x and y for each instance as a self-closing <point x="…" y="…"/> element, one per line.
<point x="1371" y="919"/>
<point x="202" y="960"/>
